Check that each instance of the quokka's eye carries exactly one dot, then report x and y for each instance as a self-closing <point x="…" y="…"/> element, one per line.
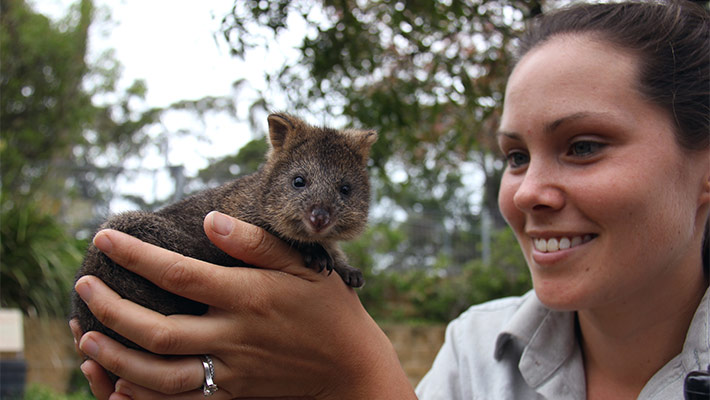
<point x="299" y="182"/>
<point x="345" y="190"/>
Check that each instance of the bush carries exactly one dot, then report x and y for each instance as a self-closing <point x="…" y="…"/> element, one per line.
<point x="38" y="259"/>
<point x="437" y="295"/>
<point x="39" y="392"/>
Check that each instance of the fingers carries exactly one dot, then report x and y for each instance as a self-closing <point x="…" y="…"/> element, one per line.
<point x="172" y="375"/>
<point x="99" y="382"/>
<point x="137" y="392"/>
<point x="76" y="332"/>
<point x="174" y="334"/>
<point x="171" y="271"/>
<point x="255" y="246"/>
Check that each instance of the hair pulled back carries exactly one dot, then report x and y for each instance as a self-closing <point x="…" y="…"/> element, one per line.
<point x="672" y="42"/>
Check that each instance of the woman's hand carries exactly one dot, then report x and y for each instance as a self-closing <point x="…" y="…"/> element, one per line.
<point x="278" y="330"/>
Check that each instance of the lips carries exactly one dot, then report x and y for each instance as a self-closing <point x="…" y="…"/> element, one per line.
<point x="554" y="244"/>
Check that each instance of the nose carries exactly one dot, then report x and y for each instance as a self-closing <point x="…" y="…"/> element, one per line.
<point x="319" y="217"/>
<point x="541" y="189"/>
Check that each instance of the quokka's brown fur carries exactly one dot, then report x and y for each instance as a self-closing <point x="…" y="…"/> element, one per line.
<point x="312" y="191"/>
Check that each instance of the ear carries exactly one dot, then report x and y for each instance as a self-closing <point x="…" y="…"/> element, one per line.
<point x="706" y="187"/>
<point x="704" y="165"/>
<point x="363" y="140"/>
<point x="279" y="127"/>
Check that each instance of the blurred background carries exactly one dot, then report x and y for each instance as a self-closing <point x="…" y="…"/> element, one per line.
<point x="108" y="106"/>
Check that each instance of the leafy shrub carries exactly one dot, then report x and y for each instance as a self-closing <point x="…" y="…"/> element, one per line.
<point x="38" y="259"/>
<point x="39" y="392"/>
<point x="439" y="294"/>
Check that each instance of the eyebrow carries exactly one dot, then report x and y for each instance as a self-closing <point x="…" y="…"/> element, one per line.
<point x="552" y="126"/>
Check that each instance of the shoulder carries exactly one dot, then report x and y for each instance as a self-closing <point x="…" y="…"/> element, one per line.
<point x="487" y="319"/>
<point x="466" y="366"/>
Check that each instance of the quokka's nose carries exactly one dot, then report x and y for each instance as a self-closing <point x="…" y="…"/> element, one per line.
<point x="319" y="218"/>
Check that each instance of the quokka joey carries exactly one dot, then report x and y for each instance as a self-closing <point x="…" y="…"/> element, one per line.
<point x="312" y="191"/>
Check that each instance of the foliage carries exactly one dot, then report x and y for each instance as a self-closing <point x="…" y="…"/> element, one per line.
<point x="246" y="161"/>
<point x="53" y="132"/>
<point x="38" y="259"/>
<point x="39" y="392"/>
<point x="437" y="295"/>
<point x="428" y="75"/>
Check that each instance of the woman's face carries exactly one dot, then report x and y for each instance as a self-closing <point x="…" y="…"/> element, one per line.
<point x="603" y="202"/>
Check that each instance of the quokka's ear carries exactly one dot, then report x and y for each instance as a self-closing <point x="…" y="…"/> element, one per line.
<point x="280" y="126"/>
<point x="363" y="140"/>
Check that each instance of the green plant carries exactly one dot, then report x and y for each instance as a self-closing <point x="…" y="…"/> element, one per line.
<point x="441" y="293"/>
<point x="40" y="392"/>
<point x="38" y="259"/>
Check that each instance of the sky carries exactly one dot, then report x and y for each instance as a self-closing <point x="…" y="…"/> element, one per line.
<point x="176" y="48"/>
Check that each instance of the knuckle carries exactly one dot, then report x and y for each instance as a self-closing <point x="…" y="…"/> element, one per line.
<point x="173" y="383"/>
<point x="162" y="340"/>
<point x="258" y="303"/>
<point x="105" y="312"/>
<point x="177" y="274"/>
<point x="260" y="243"/>
<point x="253" y="305"/>
<point x="114" y="361"/>
<point x="132" y="256"/>
<point x="257" y="241"/>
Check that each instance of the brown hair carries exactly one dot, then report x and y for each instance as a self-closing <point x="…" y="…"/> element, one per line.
<point x="672" y="40"/>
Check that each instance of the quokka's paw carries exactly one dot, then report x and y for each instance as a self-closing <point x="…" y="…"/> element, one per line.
<point x="351" y="276"/>
<point x="316" y="258"/>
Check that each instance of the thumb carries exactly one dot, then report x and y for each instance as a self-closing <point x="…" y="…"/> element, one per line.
<point x="255" y="246"/>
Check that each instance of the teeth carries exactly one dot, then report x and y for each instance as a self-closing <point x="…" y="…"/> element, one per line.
<point x="562" y="243"/>
<point x="565" y="243"/>
<point x="553" y="245"/>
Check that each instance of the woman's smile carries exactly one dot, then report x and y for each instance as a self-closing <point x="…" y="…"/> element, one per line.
<point x="552" y="249"/>
<point x="559" y="243"/>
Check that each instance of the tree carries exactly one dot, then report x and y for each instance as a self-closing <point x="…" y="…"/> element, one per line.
<point x="52" y="130"/>
<point x="429" y="76"/>
<point x="66" y="131"/>
<point x="52" y="133"/>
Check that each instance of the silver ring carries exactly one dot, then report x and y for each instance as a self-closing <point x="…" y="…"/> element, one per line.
<point x="209" y="387"/>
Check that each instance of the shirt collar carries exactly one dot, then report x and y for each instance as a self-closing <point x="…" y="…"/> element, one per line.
<point x="547" y="338"/>
<point x="696" y="349"/>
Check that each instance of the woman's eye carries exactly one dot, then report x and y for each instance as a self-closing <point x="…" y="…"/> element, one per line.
<point x="517" y="159"/>
<point x="584" y="148"/>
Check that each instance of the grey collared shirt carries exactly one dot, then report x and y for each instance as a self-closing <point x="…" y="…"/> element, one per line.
<point x="516" y="348"/>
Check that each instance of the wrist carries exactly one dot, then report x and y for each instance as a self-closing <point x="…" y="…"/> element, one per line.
<point x="376" y="372"/>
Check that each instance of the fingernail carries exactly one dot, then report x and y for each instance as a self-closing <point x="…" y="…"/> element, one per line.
<point x="103" y="243"/>
<point x="89" y="347"/>
<point x="221" y="223"/>
<point x="83" y="289"/>
<point x="123" y="388"/>
<point x="84" y="371"/>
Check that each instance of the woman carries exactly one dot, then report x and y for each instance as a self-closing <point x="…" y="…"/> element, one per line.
<point x="607" y="188"/>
